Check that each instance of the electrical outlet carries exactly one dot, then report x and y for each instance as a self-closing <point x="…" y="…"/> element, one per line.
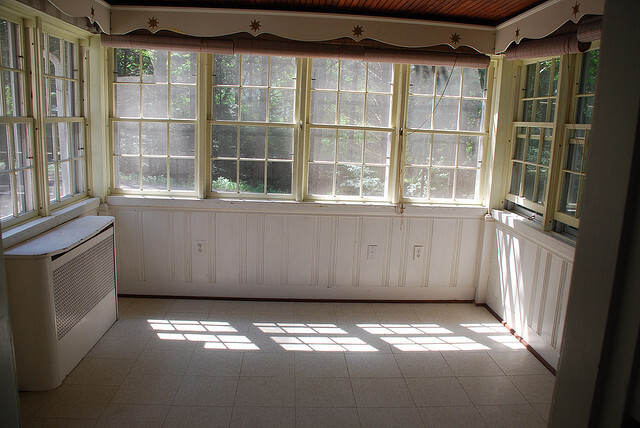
<point x="371" y="252"/>
<point x="418" y="251"/>
<point x="201" y="247"/>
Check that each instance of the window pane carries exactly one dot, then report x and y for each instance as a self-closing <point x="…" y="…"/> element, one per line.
<point x="574" y="157"/>
<point x="70" y="60"/>
<point x="9" y="44"/>
<point x="445" y="115"/>
<point x="255" y="70"/>
<point x="448" y="80"/>
<point x="280" y="144"/>
<point x="374" y="181"/>
<point x="154" y="174"/>
<point x="470" y="151"/>
<point x="541" y="190"/>
<point x="63" y="141"/>
<point x="223" y="176"/>
<point x="184" y="67"/>
<point x="281" y="105"/>
<point x="421" y="79"/>
<point x="24" y="186"/>
<point x="472" y="114"/>
<point x="279" y="177"/>
<point x="530" y="81"/>
<point x="55" y="64"/>
<point x="324" y="74"/>
<point x="467" y="183"/>
<point x="441" y="183"/>
<point x="72" y="99"/>
<point x="13" y="94"/>
<point x="80" y="177"/>
<point x="584" y="110"/>
<point x="569" y="198"/>
<point x="251" y="177"/>
<point x="54" y="97"/>
<point x="377" y="147"/>
<point x="4" y="143"/>
<point x="127" y="173"/>
<point x="6" y="206"/>
<point x="545" y="155"/>
<point x="226" y="69"/>
<point x="52" y="181"/>
<point x="253" y="104"/>
<point x="541" y="111"/>
<point x="529" y="181"/>
<point x="322" y="144"/>
<point x="50" y="139"/>
<point x="127" y="65"/>
<point x="351" y="108"/>
<point x="127" y="100"/>
<point x="418" y="149"/>
<point x="154" y="139"/>
<point x="348" y="180"/>
<point x="380" y="77"/>
<point x="182" y="139"/>
<point x="350" y="144"/>
<point x="527" y="111"/>
<point x="516" y="178"/>
<point x="544" y="78"/>
<point x="415" y="182"/>
<point x="353" y="75"/>
<point x="555" y="74"/>
<point x="182" y="174"/>
<point x="589" y="72"/>
<point x="320" y="179"/>
<point x="126" y="138"/>
<point x="154" y="68"/>
<point x="64" y="177"/>
<point x="183" y="102"/>
<point x="283" y="72"/>
<point x="323" y="107"/>
<point x="225" y="103"/>
<point x="444" y="149"/>
<point x="474" y="83"/>
<point x="378" y="110"/>
<point x="22" y="148"/>
<point x="154" y="101"/>
<point x="224" y="142"/>
<point x="419" y="113"/>
<point x="533" y="147"/>
<point x="253" y="141"/>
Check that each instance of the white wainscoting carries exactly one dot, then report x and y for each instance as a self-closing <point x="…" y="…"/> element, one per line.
<point x="529" y="282"/>
<point x="295" y="250"/>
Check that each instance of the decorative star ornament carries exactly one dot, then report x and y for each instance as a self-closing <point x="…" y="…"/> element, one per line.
<point x="517" y="33"/>
<point x="576" y="9"/>
<point x="455" y="38"/>
<point x="153" y="22"/>
<point x="255" y="25"/>
<point x="357" y="31"/>
<point x="92" y="12"/>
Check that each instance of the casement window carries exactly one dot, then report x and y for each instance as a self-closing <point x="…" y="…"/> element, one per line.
<point x="154" y="120"/>
<point x="550" y="139"/>
<point x="296" y="128"/>
<point x="42" y="123"/>
<point x="445" y="133"/>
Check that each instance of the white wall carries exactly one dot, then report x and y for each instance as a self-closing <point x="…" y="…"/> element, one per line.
<point x="295" y="250"/>
<point x="530" y="273"/>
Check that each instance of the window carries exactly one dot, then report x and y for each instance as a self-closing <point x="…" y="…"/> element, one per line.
<point x="154" y="120"/>
<point x="17" y="172"/>
<point x="64" y="126"/>
<point x="350" y="128"/>
<point x="253" y="124"/>
<point x="445" y="133"/>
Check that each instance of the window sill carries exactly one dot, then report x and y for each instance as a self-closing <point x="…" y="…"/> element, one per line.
<point x="296" y="208"/>
<point x="32" y="228"/>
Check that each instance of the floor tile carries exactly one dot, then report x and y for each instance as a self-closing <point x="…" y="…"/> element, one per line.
<point x="31" y="402"/>
<point x="327" y="417"/>
<point x="100" y="371"/>
<point x="57" y="422"/>
<point x="132" y="416"/>
<point x="319" y="364"/>
<point x="511" y="416"/>
<point x="451" y="417"/>
<point x="543" y="410"/>
<point x="267" y="364"/>
<point x="148" y="389"/>
<point x="232" y="307"/>
<point x="76" y="401"/>
<point x="125" y="348"/>
<point x="158" y="343"/>
<point x="472" y="363"/>
<point x="381" y="393"/>
<point x="324" y="392"/>
<point x="187" y="316"/>
<point x="491" y="390"/>
<point x="272" y="308"/>
<point x="422" y="364"/>
<point x="206" y="391"/>
<point x="437" y="391"/>
<point x="372" y="365"/>
<point x="147" y="308"/>
<point x="371" y="417"/>
<point x="313" y="308"/>
<point x="535" y="388"/>
<point x="197" y="417"/>
<point x="162" y="362"/>
<point x="265" y="391"/>
<point x="191" y="305"/>
<point x="131" y="327"/>
<point x="519" y="362"/>
<point x="215" y="363"/>
<point x="263" y="417"/>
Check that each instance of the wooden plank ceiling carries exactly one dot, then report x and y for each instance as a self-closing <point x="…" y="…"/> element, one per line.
<point x="483" y="12"/>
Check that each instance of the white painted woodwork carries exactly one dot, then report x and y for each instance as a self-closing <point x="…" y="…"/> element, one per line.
<point x="284" y="250"/>
<point x="529" y="280"/>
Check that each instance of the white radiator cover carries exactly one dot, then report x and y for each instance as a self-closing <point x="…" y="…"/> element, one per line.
<point x="62" y="297"/>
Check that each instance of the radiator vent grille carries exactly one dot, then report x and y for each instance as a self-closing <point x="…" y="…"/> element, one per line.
<point x="81" y="283"/>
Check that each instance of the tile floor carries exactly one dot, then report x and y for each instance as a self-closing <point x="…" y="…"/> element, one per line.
<point x="217" y="363"/>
